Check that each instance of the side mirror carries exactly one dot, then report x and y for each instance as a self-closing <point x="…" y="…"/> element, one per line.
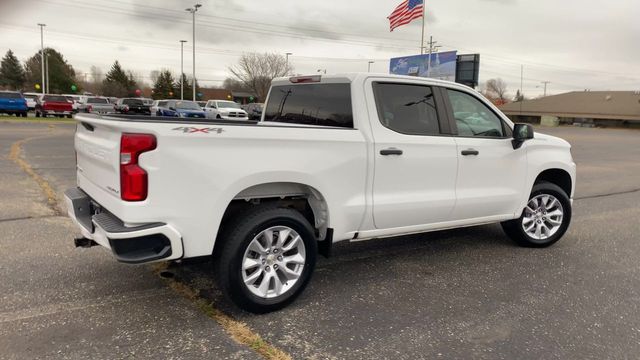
<point x="521" y="133"/>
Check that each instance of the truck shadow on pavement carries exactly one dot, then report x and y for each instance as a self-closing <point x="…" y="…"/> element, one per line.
<point x="358" y="266"/>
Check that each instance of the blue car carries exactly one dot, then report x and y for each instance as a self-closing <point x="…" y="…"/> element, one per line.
<point x="178" y="108"/>
<point x="12" y="102"/>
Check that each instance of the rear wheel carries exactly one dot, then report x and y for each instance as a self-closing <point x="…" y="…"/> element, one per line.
<point x="544" y="220"/>
<point x="266" y="258"/>
<point x="24" y="114"/>
<point x="69" y="116"/>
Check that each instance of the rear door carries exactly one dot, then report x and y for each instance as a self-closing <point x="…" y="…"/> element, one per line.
<point x="11" y="101"/>
<point x="491" y="174"/>
<point x="415" y="156"/>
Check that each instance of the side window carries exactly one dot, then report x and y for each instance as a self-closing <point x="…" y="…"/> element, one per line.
<point x="407" y="108"/>
<point x="474" y="118"/>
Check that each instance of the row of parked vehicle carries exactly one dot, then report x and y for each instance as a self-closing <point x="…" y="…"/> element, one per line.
<point x="12" y="102"/>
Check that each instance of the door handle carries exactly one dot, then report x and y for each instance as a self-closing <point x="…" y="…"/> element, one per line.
<point x="390" y="151"/>
<point x="468" y="152"/>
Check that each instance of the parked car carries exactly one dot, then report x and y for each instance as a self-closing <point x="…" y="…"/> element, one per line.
<point x="12" y="102"/>
<point x="225" y="110"/>
<point x="254" y="110"/>
<point x="32" y="99"/>
<point x="132" y="106"/>
<point x="96" y="105"/>
<point x="75" y="101"/>
<point x="56" y="105"/>
<point x="336" y="158"/>
<point x="178" y="108"/>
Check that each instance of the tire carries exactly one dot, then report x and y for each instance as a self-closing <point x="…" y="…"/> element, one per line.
<point x="547" y="217"/>
<point x="236" y="244"/>
<point x="24" y="114"/>
<point x="69" y="116"/>
<point x="218" y="116"/>
<point x="37" y="114"/>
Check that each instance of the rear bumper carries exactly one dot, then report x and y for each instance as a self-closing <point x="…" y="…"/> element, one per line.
<point x="131" y="244"/>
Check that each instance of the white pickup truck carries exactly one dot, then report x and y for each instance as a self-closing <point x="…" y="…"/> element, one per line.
<point x="334" y="158"/>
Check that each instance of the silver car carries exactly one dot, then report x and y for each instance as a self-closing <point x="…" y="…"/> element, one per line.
<point x="96" y="105"/>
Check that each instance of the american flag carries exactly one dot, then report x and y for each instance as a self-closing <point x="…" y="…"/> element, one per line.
<point x="405" y="13"/>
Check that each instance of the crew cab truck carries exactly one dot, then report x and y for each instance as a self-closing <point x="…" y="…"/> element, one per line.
<point x="334" y="158"/>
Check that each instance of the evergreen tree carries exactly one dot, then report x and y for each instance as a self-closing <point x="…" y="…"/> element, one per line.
<point x="12" y="74"/>
<point x="163" y="88"/>
<point x="61" y="74"/>
<point x="118" y="83"/>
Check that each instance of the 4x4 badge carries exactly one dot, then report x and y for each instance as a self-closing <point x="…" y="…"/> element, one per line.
<point x="191" y="129"/>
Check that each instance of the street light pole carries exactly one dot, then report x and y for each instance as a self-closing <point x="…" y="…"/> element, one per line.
<point x="46" y="58"/>
<point x="287" y="57"/>
<point x="193" y="11"/>
<point x="369" y="67"/>
<point x="42" y="54"/>
<point x="182" y="69"/>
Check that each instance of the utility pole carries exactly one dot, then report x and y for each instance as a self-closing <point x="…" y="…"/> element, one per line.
<point x="182" y="69"/>
<point x="545" y="86"/>
<point x="521" y="87"/>
<point x="432" y="48"/>
<point x="369" y="67"/>
<point x="193" y="11"/>
<point x="42" y="55"/>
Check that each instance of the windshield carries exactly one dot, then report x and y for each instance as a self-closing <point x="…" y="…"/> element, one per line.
<point x="228" y="104"/>
<point x="55" y="98"/>
<point x="132" y="102"/>
<point x="97" y="101"/>
<point x="187" y="105"/>
<point x="9" y="95"/>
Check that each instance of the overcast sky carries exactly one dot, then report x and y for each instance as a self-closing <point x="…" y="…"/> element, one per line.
<point x="574" y="44"/>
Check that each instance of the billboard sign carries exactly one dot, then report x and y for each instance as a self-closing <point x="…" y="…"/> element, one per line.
<point x="436" y="66"/>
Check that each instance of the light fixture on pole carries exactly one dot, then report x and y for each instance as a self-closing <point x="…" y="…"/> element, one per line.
<point x="193" y="11"/>
<point x="287" y="57"/>
<point x="42" y="54"/>
<point x="182" y="69"/>
<point x="369" y="66"/>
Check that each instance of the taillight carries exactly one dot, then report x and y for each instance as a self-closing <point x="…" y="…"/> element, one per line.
<point x="305" y="79"/>
<point x="89" y="108"/>
<point x="133" y="179"/>
<point x="126" y="108"/>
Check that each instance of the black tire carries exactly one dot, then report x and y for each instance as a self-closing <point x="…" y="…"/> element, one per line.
<point x="24" y="114"/>
<point x="218" y="116"/>
<point x="69" y="116"/>
<point x="234" y="239"/>
<point x="514" y="228"/>
<point x="37" y="114"/>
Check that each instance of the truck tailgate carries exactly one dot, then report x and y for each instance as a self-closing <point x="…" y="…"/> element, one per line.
<point x="97" y="146"/>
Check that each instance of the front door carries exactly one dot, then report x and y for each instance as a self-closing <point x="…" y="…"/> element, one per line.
<point x="415" y="163"/>
<point x="491" y="174"/>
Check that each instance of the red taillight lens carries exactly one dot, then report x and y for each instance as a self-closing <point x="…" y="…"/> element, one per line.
<point x="133" y="179"/>
<point x="89" y="108"/>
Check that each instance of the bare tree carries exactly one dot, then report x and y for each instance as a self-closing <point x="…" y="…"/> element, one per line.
<point x="256" y="71"/>
<point x="497" y="89"/>
<point x="96" y="74"/>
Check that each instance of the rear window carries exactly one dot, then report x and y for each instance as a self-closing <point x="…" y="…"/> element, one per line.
<point x="311" y="104"/>
<point x="10" y="95"/>
<point x="97" y="101"/>
<point x="55" y="98"/>
<point x="132" y="102"/>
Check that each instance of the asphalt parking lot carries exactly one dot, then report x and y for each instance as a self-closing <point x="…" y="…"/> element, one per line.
<point x="466" y="293"/>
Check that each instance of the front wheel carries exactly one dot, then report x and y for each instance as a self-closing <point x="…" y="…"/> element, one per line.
<point x="544" y="220"/>
<point x="266" y="258"/>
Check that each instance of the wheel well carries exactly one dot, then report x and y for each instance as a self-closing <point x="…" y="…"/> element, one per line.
<point x="302" y="198"/>
<point x="558" y="177"/>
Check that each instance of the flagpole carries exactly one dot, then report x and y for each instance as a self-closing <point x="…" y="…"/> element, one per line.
<point x="423" y="25"/>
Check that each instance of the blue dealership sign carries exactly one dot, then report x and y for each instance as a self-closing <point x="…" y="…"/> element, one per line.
<point x="437" y="65"/>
